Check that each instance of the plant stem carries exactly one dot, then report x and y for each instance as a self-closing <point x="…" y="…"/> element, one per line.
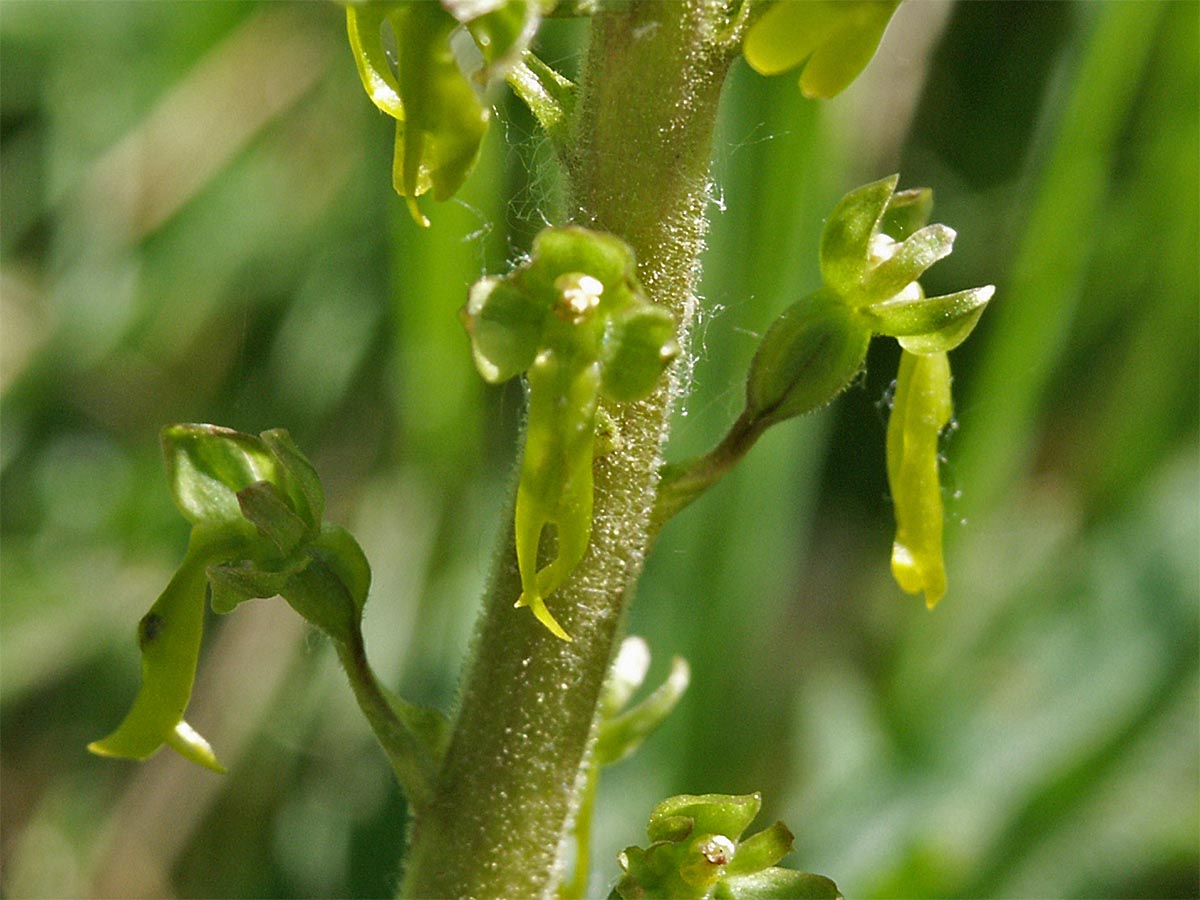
<point x="409" y="756"/>
<point x="576" y="889"/>
<point x="685" y="482"/>
<point x="638" y="167"/>
<point x="549" y="96"/>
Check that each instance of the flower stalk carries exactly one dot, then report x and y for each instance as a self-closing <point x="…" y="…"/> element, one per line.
<point x="638" y="168"/>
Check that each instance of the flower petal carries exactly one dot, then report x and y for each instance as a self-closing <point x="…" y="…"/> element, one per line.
<point x="922" y="408"/>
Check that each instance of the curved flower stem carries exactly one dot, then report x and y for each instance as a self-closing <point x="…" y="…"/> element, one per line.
<point x="639" y="149"/>
<point x="549" y="96"/>
<point x="684" y="482"/>
<point x="576" y="888"/>
<point x="413" y="759"/>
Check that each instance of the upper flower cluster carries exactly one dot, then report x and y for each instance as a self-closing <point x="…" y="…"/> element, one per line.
<point x="439" y="111"/>
<point x="697" y="851"/>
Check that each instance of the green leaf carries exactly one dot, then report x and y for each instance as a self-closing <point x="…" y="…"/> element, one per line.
<point x="833" y="39"/>
<point x="207" y="465"/>
<point x="807" y="357"/>
<point x="920" y="410"/>
<point x="620" y="736"/>
<point x="846" y="238"/>
<point x="777" y="884"/>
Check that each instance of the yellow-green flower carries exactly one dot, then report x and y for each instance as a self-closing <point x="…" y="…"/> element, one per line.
<point x="833" y="39"/>
<point x="440" y="113"/>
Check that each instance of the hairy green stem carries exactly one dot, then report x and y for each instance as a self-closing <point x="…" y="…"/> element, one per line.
<point x="576" y="888"/>
<point x="638" y="166"/>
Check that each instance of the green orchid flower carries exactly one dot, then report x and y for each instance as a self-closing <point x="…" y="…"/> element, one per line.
<point x="697" y="852"/>
<point x="440" y="113"/>
<point x="874" y="247"/>
<point x="832" y="39"/>
<point x="255" y="504"/>
<point x="575" y="321"/>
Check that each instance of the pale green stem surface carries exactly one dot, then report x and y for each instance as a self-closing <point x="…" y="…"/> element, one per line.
<point x="637" y="166"/>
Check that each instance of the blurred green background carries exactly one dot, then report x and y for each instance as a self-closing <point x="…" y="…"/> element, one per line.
<point x="198" y="225"/>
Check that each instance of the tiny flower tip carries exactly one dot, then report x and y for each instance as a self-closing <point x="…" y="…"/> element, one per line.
<point x="913" y="579"/>
<point x="415" y="211"/>
<point x="543" y="615"/>
<point x="100" y="748"/>
<point x="187" y="742"/>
